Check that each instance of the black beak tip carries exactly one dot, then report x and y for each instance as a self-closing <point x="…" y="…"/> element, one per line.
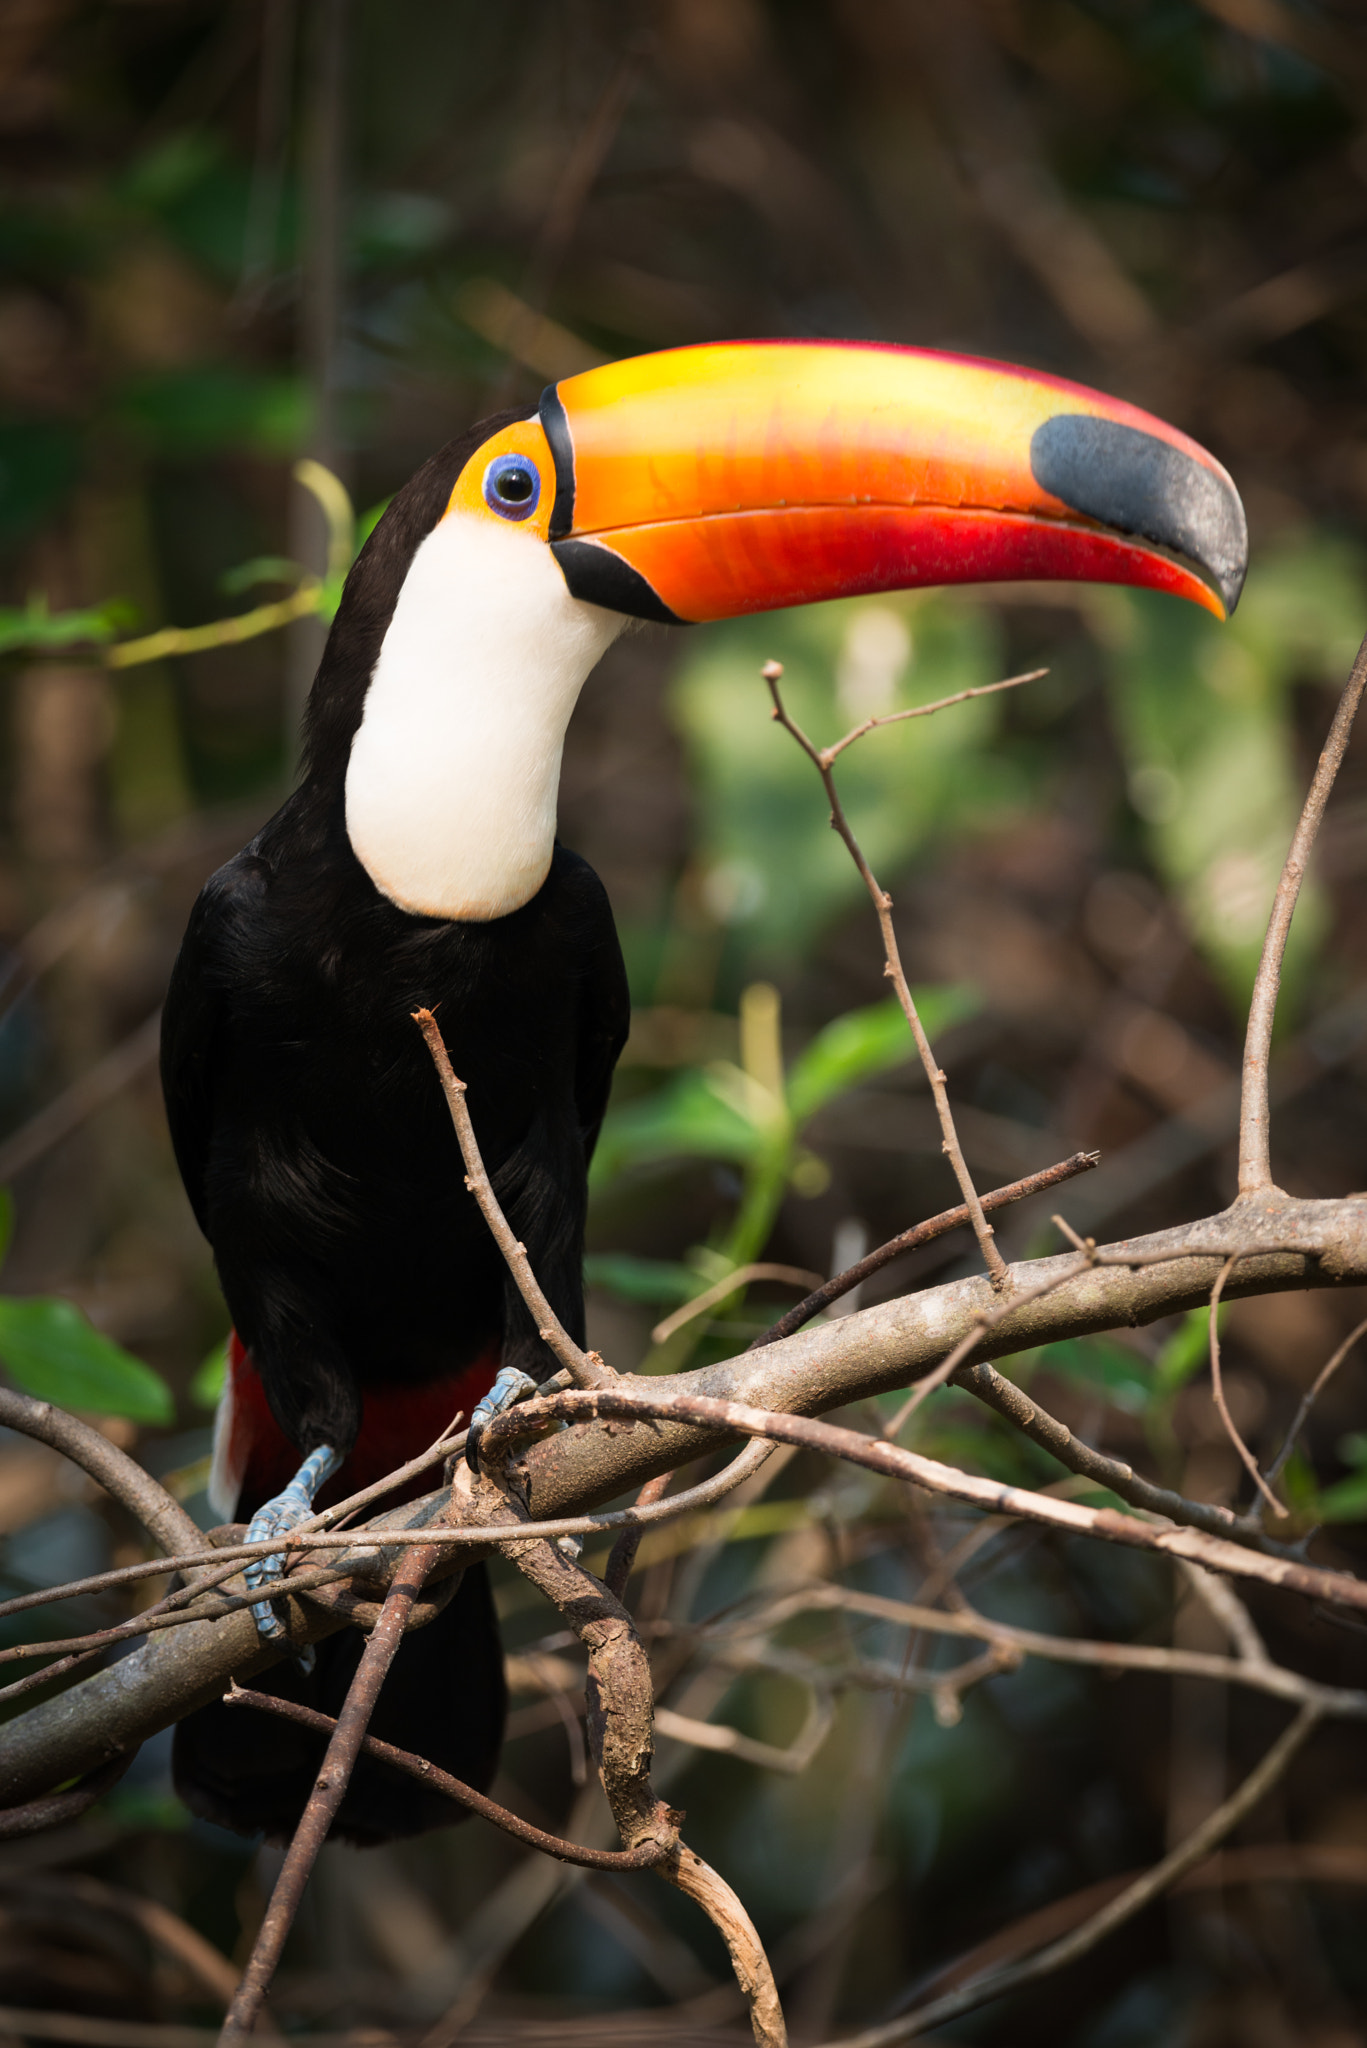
<point x="1142" y="485"/>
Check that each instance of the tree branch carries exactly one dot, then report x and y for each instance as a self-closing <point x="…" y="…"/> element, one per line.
<point x="1255" y="1120"/>
<point x="826" y="1366"/>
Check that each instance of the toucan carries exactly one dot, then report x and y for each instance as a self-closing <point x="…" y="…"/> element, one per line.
<point x="416" y="865"/>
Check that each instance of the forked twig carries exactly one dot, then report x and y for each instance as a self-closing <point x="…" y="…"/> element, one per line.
<point x="893" y="969"/>
<point x="735" y="1418"/>
<point x="1217" y="1387"/>
<point x="1255" y="1121"/>
<point x="912" y="1240"/>
<point x="640" y="1858"/>
<point x="832" y="753"/>
<point x="1325" y="1374"/>
<point x="620" y="1722"/>
<point x="585" y="1368"/>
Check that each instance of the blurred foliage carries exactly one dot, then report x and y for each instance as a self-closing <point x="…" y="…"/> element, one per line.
<point x="53" y="1352"/>
<point x="1164" y="198"/>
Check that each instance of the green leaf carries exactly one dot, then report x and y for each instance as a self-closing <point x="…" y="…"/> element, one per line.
<point x="1346" y="1501"/>
<point x="658" y="1282"/>
<point x="686" y="1119"/>
<point x="207" y="1384"/>
<point x="865" y="1042"/>
<point x="54" y="1353"/>
<point x="213" y="407"/>
<point x="1119" y="1374"/>
<point x="36" y="626"/>
<point x="1185" y="1351"/>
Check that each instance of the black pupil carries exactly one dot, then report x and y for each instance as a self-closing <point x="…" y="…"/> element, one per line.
<point x="515" y="485"/>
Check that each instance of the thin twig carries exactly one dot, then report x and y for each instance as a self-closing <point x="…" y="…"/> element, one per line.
<point x="1255" y="1122"/>
<point x="829" y="754"/>
<point x="1025" y="1414"/>
<point x="328" y="1792"/>
<point x="1326" y="1373"/>
<point x="893" y="969"/>
<point x="735" y="1418"/>
<point x="1217" y="1387"/>
<point x="1132" y="1900"/>
<point x="1256" y="1673"/>
<point x="639" y="1858"/>
<point x="912" y="1240"/>
<point x="622" y="1556"/>
<point x="720" y="1290"/>
<point x="585" y="1368"/>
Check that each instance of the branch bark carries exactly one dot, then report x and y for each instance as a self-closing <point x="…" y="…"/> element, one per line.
<point x="827" y="1366"/>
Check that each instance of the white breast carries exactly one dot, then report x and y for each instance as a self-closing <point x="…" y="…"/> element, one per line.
<point x="455" y="769"/>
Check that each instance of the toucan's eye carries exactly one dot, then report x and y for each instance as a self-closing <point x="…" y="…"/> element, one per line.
<point x="512" y="486"/>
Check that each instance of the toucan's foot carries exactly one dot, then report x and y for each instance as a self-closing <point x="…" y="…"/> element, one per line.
<point x="290" y="1507"/>
<point x="510" y="1387"/>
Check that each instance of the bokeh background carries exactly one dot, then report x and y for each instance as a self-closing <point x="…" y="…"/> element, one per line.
<point x="238" y="235"/>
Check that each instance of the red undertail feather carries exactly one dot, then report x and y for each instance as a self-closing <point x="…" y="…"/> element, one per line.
<point x="253" y="1458"/>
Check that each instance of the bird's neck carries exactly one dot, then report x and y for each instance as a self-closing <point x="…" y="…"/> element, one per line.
<point x="455" y="768"/>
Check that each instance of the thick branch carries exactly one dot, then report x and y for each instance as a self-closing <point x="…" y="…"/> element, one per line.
<point x="827" y="1366"/>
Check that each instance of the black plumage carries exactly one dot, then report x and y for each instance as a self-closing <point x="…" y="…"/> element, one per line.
<point x="314" y="1141"/>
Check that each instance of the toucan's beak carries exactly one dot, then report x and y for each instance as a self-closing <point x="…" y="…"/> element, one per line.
<point x="737" y="477"/>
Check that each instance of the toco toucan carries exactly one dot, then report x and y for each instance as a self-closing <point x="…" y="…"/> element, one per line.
<point x="416" y="864"/>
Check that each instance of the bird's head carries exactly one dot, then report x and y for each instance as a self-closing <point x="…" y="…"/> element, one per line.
<point x="703" y="483"/>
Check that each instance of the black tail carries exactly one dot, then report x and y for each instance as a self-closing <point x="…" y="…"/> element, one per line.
<point x="443" y="1697"/>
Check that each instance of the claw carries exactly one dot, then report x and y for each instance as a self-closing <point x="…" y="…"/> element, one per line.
<point x="290" y="1507"/>
<point x="510" y="1387"/>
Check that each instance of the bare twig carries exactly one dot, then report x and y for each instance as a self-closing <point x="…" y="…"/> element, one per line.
<point x="1217" y="1387"/>
<point x="642" y="1857"/>
<point x="585" y="1368"/>
<point x="918" y="1235"/>
<point x="721" y="1290"/>
<point x="622" y="1556"/>
<point x="1132" y="1900"/>
<point x="1025" y="1414"/>
<point x="1326" y="1373"/>
<point x="893" y="969"/>
<point x="1320" y="1245"/>
<point x="1255" y="1123"/>
<point x="621" y="1713"/>
<point x="829" y="754"/>
<point x="327" y="1794"/>
<point x="733" y="1418"/>
<point x="1256" y="1673"/>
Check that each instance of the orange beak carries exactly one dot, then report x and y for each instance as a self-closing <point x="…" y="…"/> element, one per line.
<point x="701" y="483"/>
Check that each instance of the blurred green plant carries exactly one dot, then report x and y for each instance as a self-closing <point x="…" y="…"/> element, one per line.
<point x="750" y="1115"/>
<point x="53" y="1352"/>
<point x="765" y="871"/>
<point x="36" y="629"/>
<point x="1204" y="716"/>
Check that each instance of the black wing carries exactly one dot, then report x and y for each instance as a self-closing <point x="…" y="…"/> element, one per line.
<point x="604" y="1016"/>
<point x="197" y="1017"/>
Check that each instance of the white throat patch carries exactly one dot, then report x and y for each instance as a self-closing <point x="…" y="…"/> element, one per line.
<point x="455" y="769"/>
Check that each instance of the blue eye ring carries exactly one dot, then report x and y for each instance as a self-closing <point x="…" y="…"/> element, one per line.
<point x="512" y="486"/>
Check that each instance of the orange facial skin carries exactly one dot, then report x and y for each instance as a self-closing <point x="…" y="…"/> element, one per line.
<point x="743" y="476"/>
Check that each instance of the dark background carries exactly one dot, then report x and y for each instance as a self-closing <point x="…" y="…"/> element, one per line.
<point x="232" y="235"/>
